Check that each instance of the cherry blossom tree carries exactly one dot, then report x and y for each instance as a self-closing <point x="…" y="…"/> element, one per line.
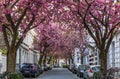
<point x="80" y="40"/>
<point x="47" y="40"/>
<point x="72" y="39"/>
<point x="17" y="17"/>
<point x="58" y="14"/>
<point x="101" y="19"/>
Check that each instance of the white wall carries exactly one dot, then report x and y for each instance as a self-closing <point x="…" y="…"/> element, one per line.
<point x="114" y="52"/>
<point x="3" y="69"/>
<point x="25" y="50"/>
<point x="77" y="57"/>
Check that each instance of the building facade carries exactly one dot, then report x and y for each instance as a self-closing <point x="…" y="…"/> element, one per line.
<point x="94" y="57"/>
<point x="26" y="52"/>
<point x="2" y="43"/>
<point x="114" y="52"/>
<point x="77" y="57"/>
<point x="91" y="57"/>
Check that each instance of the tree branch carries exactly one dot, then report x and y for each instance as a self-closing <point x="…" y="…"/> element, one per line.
<point x="97" y="19"/>
<point x="109" y="42"/>
<point x="8" y="16"/>
<point x="25" y="32"/>
<point x="38" y="23"/>
<point x="5" y="36"/>
<point x="21" y="17"/>
<point x="14" y="3"/>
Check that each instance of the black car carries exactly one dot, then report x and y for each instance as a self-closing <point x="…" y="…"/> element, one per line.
<point x="30" y="69"/>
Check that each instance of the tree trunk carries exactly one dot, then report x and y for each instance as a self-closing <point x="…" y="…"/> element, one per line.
<point x="81" y="59"/>
<point x="44" y="61"/>
<point x="49" y="59"/>
<point x="69" y="61"/>
<point x="40" y="60"/>
<point x="53" y="63"/>
<point x="66" y="61"/>
<point x="11" y="60"/>
<point x="72" y="60"/>
<point x="58" y="62"/>
<point x="103" y="61"/>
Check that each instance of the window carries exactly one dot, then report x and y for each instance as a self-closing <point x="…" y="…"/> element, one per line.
<point x="91" y="63"/>
<point x="119" y="44"/>
<point x="96" y="63"/>
<point x="91" y="60"/>
<point x="20" y="56"/>
<point x="113" y="53"/>
<point x="78" y="59"/>
<point x="95" y="54"/>
<point x="96" y="58"/>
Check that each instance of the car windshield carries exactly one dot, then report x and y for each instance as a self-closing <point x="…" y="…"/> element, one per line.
<point x="84" y="67"/>
<point x="27" y="66"/>
<point x="95" y="68"/>
<point x="87" y="67"/>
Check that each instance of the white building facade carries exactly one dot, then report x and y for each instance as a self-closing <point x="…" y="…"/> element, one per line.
<point x="113" y="59"/>
<point x="92" y="53"/>
<point x="77" y="57"/>
<point x="94" y="57"/>
<point x="26" y="53"/>
<point x="91" y="57"/>
<point x="114" y="52"/>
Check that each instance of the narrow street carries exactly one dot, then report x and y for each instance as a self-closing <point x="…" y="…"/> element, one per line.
<point x="57" y="73"/>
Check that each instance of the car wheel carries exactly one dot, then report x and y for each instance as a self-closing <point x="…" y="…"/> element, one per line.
<point x="77" y="74"/>
<point x="30" y="75"/>
<point x="81" y="75"/>
<point x="35" y="75"/>
<point x="84" y="77"/>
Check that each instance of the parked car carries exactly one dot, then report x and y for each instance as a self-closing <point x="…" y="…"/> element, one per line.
<point x="87" y="71"/>
<point x="48" y="66"/>
<point x="112" y="73"/>
<point x="56" y="66"/>
<point x="74" y="69"/>
<point x="91" y="70"/>
<point x="70" y="67"/>
<point x="30" y="69"/>
<point x="95" y="68"/>
<point x="81" y="72"/>
<point x="45" y="68"/>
